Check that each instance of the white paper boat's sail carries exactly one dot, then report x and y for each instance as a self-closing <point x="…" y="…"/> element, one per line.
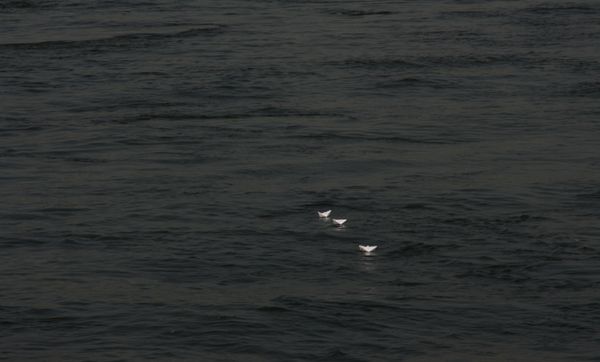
<point x="324" y="214"/>
<point x="367" y="248"/>
<point x="339" y="222"/>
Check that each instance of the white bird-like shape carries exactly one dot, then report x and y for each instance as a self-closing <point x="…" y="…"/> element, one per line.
<point x="367" y="248"/>
<point x="324" y="214"/>
<point x="339" y="222"/>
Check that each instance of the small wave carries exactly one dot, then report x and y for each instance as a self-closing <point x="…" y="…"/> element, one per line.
<point x="417" y="206"/>
<point x="413" y="82"/>
<point x="16" y="242"/>
<point x="585" y="89"/>
<point x="458" y="61"/>
<point x="473" y="60"/>
<point x="265" y="112"/>
<point x="272" y="309"/>
<point x="20" y="129"/>
<point x="497" y="272"/>
<point x="22" y="4"/>
<point x="375" y="138"/>
<point x="472" y="14"/>
<point x="303" y="304"/>
<point x="415" y="249"/>
<point x="117" y="40"/>
<point x="558" y="9"/>
<point x="78" y="159"/>
<point x="461" y="36"/>
<point x="590" y="195"/>
<point x="374" y="63"/>
<point x="62" y="210"/>
<point x="337" y="354"/>
<point x="359" y="13"/>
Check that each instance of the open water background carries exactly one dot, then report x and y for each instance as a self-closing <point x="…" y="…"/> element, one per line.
<point x="161" y="164"/>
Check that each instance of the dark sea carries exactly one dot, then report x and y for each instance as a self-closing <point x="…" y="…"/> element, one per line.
<point x="162" y="163"/>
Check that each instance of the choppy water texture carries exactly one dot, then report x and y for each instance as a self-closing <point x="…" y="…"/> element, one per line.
<point x="162" y="163"/>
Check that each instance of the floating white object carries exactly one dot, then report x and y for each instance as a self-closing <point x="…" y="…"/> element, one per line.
<point x="324" y="214"/>
<point x="339" y="222"/>
<point x="367" y="248"/>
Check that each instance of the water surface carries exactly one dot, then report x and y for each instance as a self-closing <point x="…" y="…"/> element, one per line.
<point x="162" y="163"/>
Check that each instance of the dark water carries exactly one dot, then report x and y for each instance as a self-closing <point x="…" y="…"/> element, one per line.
<point x="162" y="163"/>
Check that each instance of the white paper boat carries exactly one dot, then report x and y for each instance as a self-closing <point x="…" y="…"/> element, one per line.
<point x="324" y="214"/>
<point x="367" y="248"/>
<point x="339" y="222"/>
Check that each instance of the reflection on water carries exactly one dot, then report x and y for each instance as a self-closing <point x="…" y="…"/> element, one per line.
<point x="367" y="262"/>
